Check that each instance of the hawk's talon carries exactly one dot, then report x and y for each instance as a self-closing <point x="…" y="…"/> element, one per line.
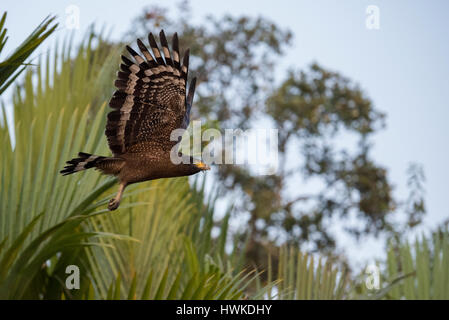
<point x="113" y="204"/>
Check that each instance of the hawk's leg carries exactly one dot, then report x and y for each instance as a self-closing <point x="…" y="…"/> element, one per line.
<point x="115" y="202"/>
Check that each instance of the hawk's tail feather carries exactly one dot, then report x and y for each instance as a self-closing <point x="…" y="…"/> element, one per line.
<point x="83" y="162"/>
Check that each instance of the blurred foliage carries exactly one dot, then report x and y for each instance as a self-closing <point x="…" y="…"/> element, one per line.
<point x="411" y="271"/>
<point x="317" y="108"/>
<point x="41" y="213"/>
<point x="428" y="260"/>
<point x="301" y="277"/>
<point x="14" y="64"/>
<point x="415" y="203"/>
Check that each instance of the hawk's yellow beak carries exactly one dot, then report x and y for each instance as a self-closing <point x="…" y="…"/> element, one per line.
<point x="202" y="166"/>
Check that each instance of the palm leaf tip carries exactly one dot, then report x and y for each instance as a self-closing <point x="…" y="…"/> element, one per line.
<point x="15" y="64"/>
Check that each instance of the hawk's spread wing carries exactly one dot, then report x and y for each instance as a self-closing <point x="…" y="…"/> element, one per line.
<point x="151" y="98"/>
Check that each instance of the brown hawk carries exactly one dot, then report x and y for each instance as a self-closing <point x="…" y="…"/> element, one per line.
<point x="149" y="103"/>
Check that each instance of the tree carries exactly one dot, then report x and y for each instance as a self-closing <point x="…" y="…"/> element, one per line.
<point x="235" y="58"/>
<point x="318" y="107"/>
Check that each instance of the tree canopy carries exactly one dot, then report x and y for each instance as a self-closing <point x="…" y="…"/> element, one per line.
<point x="326" y="124"/>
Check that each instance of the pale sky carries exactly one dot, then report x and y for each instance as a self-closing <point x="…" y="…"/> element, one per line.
<point x="403" y="67"/>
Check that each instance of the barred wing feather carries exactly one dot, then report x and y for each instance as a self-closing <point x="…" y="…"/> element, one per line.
<point x="150" y="100"/>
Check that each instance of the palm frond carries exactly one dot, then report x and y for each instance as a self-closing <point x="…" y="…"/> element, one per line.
<point x="15" y="64"/>
<point x="301" y="276"/>
<point x="427" y="263"/>
<point x="41" y="210"/>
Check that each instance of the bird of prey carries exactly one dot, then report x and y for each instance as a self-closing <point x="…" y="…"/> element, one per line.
<point x="149" y="103"/>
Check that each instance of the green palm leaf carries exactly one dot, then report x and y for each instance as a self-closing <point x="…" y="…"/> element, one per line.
<point x="15" y="64"/>
<point x="427" y="264"/>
